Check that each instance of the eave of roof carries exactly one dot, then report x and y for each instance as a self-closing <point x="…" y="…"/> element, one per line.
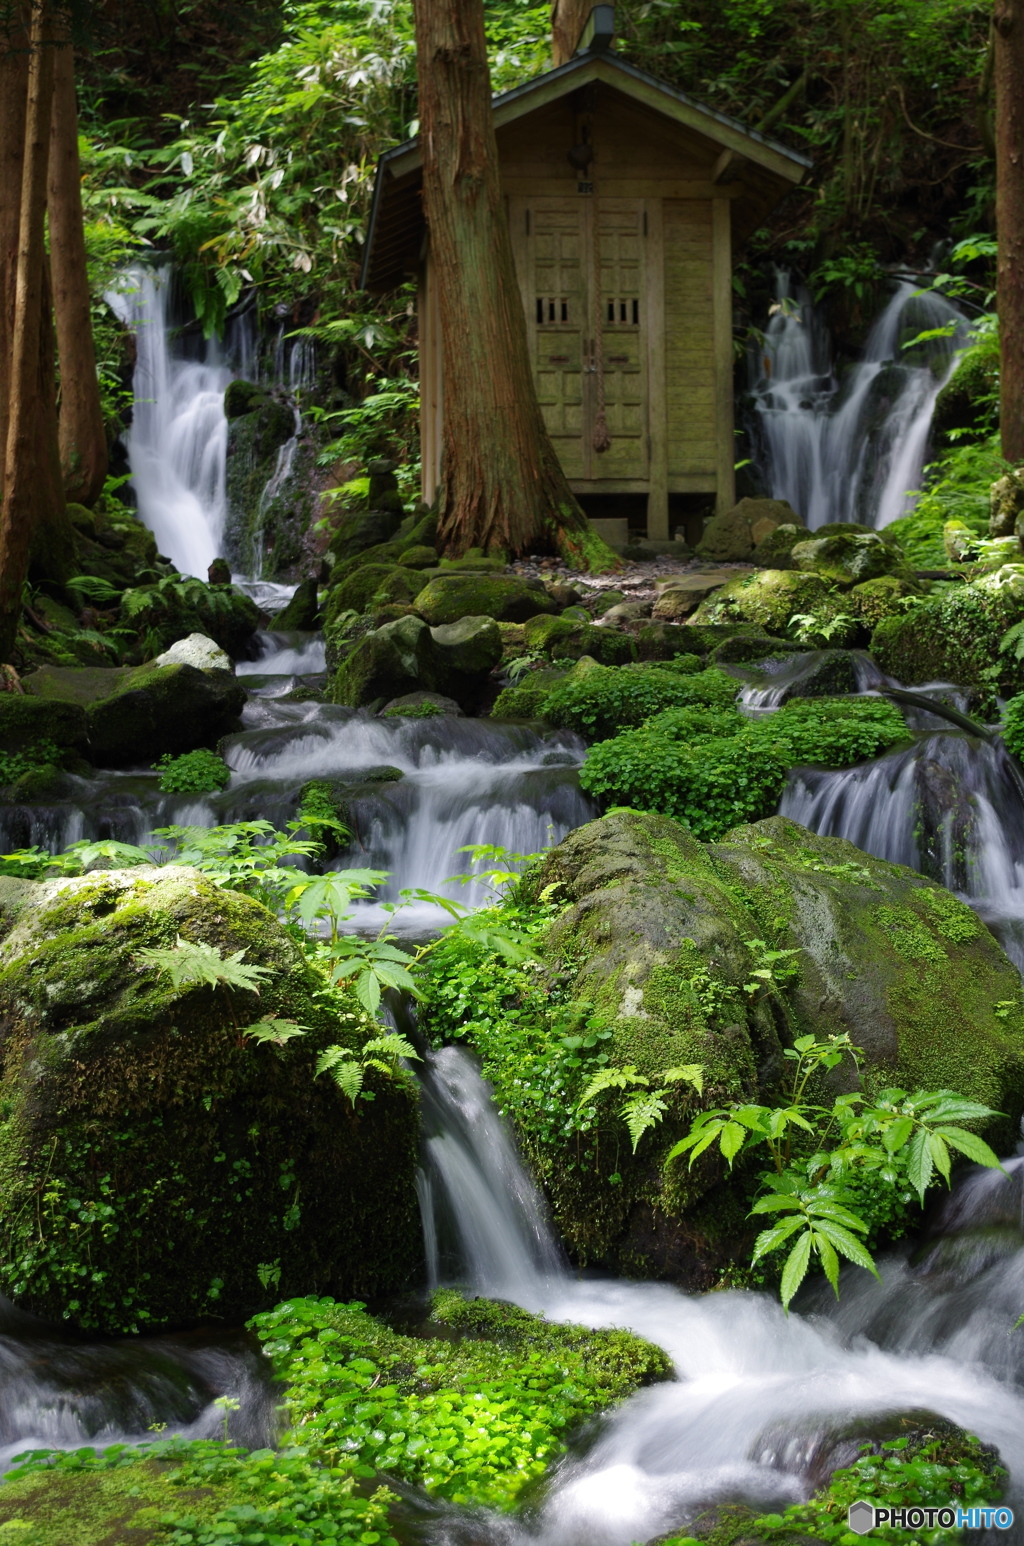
<point x="579" y="71"/>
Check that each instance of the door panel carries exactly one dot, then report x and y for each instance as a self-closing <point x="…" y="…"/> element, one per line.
<point x="555" y="254"/>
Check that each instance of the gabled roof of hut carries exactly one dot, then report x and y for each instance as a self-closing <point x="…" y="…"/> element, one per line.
<point x="765" y="169"/>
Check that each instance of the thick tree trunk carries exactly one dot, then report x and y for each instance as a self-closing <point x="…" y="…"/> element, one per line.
<point x="568" y="18"/>
<point x="25" y="473"/>
<point x="83" y="441"/>
<point x="13" y="85"/>
<point x="1008" y="74"/>
<point x="501" y="486"/>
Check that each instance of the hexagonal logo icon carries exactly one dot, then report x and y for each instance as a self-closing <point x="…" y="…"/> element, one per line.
<point x="861" y="1517"/>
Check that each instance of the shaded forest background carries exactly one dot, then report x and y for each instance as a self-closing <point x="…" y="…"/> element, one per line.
<point x="242" y="137"/>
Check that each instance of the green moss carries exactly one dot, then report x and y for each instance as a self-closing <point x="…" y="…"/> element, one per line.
<point x="151" y="1158"/>
<point x="955" y="637"/>
<point x="370" y="585"/>
<point x="768" y="598"/>
<point x="505" y="598"/>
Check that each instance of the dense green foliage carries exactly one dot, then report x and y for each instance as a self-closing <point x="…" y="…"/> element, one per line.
<point x="1013" y="725"/>
<point x="922" y="1470"/>
<point x="713" y="774"/>
<point x="956" y="488"/>
<point x="611" y="698"/>
<point x="198" y="772"/>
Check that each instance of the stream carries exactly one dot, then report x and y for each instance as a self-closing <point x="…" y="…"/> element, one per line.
<point x="761" y="1400"/>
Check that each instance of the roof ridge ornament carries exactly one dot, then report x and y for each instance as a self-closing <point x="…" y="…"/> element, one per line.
<point x="598" y="32"/>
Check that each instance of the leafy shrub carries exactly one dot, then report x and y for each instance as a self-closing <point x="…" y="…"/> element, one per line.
<point x="1012" y="726"/>
<point x="711" y="783"/>
<point x="957" y="488"/>
<point x="611" y="698"/>
<point x="922" y="1470"/>
<point x="198" y="772"/>
<point x="835" y="732"/>
<point x="713" y="769"/>
<point x="13" y="765"/>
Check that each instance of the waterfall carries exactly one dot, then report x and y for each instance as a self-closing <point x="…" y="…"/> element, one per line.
<point x="849" y="449"/>
<point x="950" y="806"/>
<point x="762" y="1401"/>
<point x="475" y="1184"/>
<point x="273" y="486"/>
<point x="177" y="444"/>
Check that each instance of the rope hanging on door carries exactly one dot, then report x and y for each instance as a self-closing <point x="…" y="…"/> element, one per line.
<point x="601" y="439"/>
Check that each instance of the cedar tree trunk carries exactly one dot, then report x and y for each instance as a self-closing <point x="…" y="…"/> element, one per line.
<point x="27" y="476"/>
<point x="83" y="441"/>
<point x="502" y="486"/>
<point x="13" y="85"/>
<point x="568" y="18"/>
<point x="1008" y="74"/>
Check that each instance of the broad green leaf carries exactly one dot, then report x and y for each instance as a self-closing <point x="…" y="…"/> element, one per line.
<point x="770" y="1239"/>
<point x="795" y="1270"/>
<point x="367" y="986"/>
<point x="829" y="1259"/>
<point x="940" y="1155"/>
<point x="919" y="1162"/>
<point x="848" y="1244"/>
<point x="777" y="1203"/>
<point x="970" y="1144"/>
<point x="897" y="1133"/>
<point x="732" y="1139"/>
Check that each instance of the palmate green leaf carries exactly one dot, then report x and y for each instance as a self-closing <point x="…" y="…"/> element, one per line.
<point x="778" y="1202"/>
<point x="896" y="1134"/>
<point x="970" y="1144"/>
<point x="770" y="1239"/>
<point x="919" y="1162"/>
<point x="940" y="1155"/>
<point x="732" y="1138"/>
<point x="697" y="1140"/>
<point x="367" y="990"/>
<point x="948" y="1106"/>
<point x="829" y="1259"/>
<point x="848" y="1244"/>
<point x="795" y="1270"/>
<point x="838" y="1213"/>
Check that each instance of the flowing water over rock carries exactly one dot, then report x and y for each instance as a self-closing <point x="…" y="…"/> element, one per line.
<point x="849" y="449"/>
<point x="759" y="1395"/>
<point x="61" y="1391"/>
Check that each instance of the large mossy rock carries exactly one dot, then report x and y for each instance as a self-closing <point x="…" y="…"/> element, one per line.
<point x="955" y="637"/>
<point x="302" y="611"/>
<point x="506" y="598"/>
<point x="25" y="721"/>
<point x="134" y="714"/>
<point x="653" y="945"/>
<point x="379" y="583"/>
<point x="407" y="656"/>
<point x="847" y="558"/>
<point x="153" y="1161"/>
<point x="732" y="536"/>
<point x="768" y="598"/>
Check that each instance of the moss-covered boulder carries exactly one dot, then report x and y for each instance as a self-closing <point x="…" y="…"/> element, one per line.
<point x="654" y="945"/>
<point x="406" y="656"/>
<point x="302" y="610"/>
<point x="881" y="597"/>
<point x="774" y="549"/>
<point x="157" y="1167"/>
<point x="387" y="663"/>
<point x="134" y="714"/>
<point x="506" y="598"/>
<point x="847" y="558"/>
<point x="1006" y="504"/>
<point x="565" y="638"/>
<point x="732" y="536"/>
<point x="419" y="557"/>
<point x="955" y="637"/>
<point x="358" y="530"/>
<point x="159" y="615"/>
<point x="768" y="598"/>
<point x="25" y="720"/>
<point x="374" y="583"/>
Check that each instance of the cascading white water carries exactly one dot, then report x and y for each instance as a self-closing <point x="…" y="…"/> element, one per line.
<point x="177" y="444"/>
<point x="850" y="450"/>
<point x="951" y="806"/>
<point x="758" y="1394"/>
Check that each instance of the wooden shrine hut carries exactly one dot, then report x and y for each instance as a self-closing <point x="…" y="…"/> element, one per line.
<point x="624" y="195"/>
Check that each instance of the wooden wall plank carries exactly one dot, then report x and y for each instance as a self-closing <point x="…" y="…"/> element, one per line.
<point x="726" y="461"/>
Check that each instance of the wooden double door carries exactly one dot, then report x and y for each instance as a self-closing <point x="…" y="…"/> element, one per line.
<point x="581" y="267"/>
